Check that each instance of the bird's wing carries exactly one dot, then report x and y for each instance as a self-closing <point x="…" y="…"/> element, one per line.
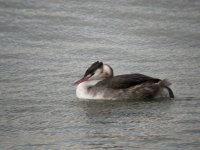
<point x="126" y="81"/>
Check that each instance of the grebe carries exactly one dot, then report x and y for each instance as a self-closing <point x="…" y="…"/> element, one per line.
<point x="99" y="82"/>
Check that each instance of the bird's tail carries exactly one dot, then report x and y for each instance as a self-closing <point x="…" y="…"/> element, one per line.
<point x="165" y="84"/>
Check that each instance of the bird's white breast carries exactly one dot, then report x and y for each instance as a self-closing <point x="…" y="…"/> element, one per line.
<point x="83" y="92"/>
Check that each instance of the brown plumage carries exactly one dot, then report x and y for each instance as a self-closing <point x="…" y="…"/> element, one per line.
<point x="126" y="81"/>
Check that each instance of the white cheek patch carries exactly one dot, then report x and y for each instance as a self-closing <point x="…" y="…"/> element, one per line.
<point x="98" y="71"/>
<point x="97" y="75"/>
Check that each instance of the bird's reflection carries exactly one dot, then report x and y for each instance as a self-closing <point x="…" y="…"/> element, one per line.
<point x="104" y="111"/>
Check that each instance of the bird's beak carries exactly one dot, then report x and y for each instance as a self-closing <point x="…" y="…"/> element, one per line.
<point x="81" y="80"/>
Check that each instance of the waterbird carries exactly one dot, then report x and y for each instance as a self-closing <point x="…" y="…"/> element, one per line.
<point x="99" y="82"/>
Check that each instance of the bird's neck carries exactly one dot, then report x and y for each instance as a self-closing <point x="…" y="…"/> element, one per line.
<point x="82" y="90"/>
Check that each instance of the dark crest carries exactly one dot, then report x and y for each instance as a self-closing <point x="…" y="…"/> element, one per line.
<point x="93" y="68"/>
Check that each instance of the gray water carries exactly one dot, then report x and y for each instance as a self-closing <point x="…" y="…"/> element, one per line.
<point x="46" y="45"/>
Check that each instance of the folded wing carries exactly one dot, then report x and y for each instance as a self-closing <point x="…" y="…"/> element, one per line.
<point x="126" y="81"/>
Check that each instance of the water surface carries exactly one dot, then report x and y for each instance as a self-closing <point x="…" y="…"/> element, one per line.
<point x="46" y="45"/>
